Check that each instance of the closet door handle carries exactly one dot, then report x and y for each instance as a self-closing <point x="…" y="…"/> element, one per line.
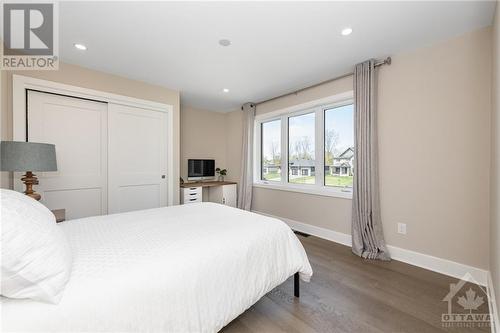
<point x="162" y="176"/>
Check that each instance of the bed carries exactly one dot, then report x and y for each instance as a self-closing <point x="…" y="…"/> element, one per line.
<point x="191" y="268"/>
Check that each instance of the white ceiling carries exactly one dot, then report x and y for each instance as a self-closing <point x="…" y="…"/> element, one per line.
<point x="277" y="47"/>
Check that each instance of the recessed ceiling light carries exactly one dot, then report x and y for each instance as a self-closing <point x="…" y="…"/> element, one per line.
<point x="346" y="31"/>
<point x="225" y="90"/>
<point x="80" y="46"/>
<point x="224" y="42"/>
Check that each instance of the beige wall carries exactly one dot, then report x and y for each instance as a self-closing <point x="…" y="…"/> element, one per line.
<point x="203" y="135"/>
<point x="495" y="165"/>
<point x="209" y="134"/>
<point x="434" y="123"/>
<point x="434" y="130"/>
<point x="86" y="78"/>
<point x="234" y="128"/>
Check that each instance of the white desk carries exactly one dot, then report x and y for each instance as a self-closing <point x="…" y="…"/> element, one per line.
<point x="220" y="192"/>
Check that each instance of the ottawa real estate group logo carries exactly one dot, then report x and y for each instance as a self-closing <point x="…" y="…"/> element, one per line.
<point x="467" y="305"/>
<point x="29" y="36"/>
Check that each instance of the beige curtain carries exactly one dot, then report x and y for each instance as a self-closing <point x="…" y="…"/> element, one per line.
<point x="367" y="235"/>
<point x="246" y="175"/>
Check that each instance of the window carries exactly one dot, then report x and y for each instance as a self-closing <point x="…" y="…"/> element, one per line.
<point x="339" y="146"/>
<point x="271" y="150"/>
<point x="301" y="147"/>
<point x="315" y="142"/>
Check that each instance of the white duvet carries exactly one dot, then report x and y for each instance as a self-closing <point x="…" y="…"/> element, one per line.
<point x="191" y="268"/>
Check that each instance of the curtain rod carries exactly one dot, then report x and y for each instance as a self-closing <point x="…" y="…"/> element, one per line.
<point x="386" y="61"/>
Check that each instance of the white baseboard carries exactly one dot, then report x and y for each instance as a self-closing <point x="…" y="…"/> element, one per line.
<point x="495" y="322"/>
<point x="439" y="265"/>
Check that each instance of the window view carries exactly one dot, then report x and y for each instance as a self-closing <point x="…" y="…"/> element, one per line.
<point x="292" y="139"/>
<point x="301" y="159"/>
<point x="339" y="146"/>
<point x="271" y="151"/>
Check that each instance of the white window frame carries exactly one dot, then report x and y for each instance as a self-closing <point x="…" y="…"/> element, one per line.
<point x="318" y="107"/>
<point x="258" y="150"/>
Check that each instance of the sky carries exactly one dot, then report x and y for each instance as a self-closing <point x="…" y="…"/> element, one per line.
<point x="340" y="119"/>
<point x="300" y="127"/>
<point x="271" y="132"/>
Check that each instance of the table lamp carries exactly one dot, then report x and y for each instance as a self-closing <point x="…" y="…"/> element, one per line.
<point x="28" y="157"/>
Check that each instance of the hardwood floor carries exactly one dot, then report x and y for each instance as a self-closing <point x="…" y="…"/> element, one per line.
<point x="349" y="294"/>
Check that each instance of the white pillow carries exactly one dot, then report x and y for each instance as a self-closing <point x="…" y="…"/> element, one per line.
<point x="36" y="256"/>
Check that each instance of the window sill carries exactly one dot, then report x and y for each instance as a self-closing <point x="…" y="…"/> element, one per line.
<point x="327" y="192"/>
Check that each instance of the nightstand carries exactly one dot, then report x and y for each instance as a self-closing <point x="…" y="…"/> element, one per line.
<point x="60" y="214"/>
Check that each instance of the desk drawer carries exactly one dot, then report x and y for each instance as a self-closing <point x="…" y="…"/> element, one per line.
<point x="191" y="190"/>
<point x="192" y="200"/>
<point x="191" y="195"/>
<point x="188" y="196"/>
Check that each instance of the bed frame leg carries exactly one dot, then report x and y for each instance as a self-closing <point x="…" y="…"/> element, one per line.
<point x="296" y="285"/>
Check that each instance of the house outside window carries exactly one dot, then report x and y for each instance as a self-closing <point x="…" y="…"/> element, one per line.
<point x="339" y="146"/>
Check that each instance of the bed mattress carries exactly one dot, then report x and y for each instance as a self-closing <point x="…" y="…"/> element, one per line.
<point x="190" y="268"/>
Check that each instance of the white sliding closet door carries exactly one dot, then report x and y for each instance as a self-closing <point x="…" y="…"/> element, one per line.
<point x="137" y="158"/>
<point x="78" y="128"/>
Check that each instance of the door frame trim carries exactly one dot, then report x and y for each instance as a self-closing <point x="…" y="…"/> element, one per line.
<point x="20" y="85"/>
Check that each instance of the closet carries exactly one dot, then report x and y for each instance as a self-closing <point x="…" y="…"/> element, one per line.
<point x="111" y="157"/>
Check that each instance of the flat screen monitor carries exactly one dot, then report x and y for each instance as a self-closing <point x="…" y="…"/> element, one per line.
<point x="199" y="169"/>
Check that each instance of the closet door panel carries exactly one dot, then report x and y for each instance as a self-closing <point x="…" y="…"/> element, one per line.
<point x="78" y="128"/>
<point x="89" y="201"/>
<point x="137" y="158"/>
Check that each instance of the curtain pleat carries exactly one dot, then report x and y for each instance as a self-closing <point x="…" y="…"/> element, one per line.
<point x="367" y="234"/>
<point x="246" y="175"/>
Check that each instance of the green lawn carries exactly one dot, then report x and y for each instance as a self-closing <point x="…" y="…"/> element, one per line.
<point x="329" y="179"/>
<point x="338" y="180"/>
<point x="272" y="176"/>
<point x="302" y="180"/>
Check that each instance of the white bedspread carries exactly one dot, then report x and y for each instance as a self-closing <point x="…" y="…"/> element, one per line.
<point x="191" y="268"/>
